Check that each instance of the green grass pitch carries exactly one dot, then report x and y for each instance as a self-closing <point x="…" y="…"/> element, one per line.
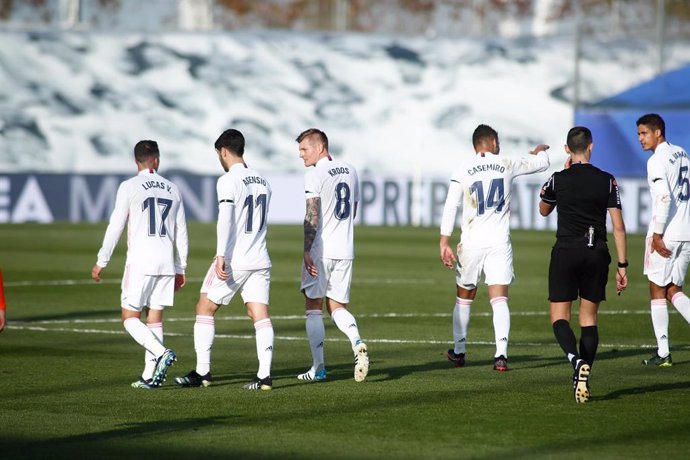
<point x="66" y="363"/>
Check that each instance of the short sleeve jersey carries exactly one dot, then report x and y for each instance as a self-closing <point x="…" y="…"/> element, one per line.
<point x="583" y="194"/>
<point x="151" y="207"/>
<point x="483" y="185"/>
<point x="336" y="184"/>
<point x="670" y="163"/>
<point x="249" y="194"/>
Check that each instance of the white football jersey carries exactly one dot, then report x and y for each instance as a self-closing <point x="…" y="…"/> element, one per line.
<point x="151" y="207"/>
<point x="243" y="199"/>
<point x="670" y="163"/>
<point x="482" y="184"/>
<point x="337" y="185"/>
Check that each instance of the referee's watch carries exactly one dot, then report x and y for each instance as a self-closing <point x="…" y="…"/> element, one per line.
<point x="623" y="264"/>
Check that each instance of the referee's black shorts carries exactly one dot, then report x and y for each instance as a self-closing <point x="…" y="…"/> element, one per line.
<point x="576" y="270"/>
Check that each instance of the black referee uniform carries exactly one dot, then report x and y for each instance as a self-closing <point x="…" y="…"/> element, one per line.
<point x="580" y="258"/>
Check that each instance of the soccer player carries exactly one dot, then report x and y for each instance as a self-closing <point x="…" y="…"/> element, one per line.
<point x="580" y="258"/>
<point x="157" y="246"/>
<point x="668" y="238"/>
<point x="332" y="194"/>
<point x="241" y="263"/>
<point x="482" y="184"/>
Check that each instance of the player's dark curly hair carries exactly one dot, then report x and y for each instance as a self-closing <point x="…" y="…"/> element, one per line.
<point x="653" y="121"/>
<point x="145" y="151"/>
<point x="314" y="132"/>
<point x="483" y="133"/>
<point x="579" y="138"/>
<point x="232" y="140"/>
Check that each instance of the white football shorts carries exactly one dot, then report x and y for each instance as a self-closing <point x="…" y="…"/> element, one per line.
<point x="662" y="271"/>
<point x="153" y="291"/>
<point x="495" y="262"/>
<point x="253" y="286"/>
<point x="333" y="280"/>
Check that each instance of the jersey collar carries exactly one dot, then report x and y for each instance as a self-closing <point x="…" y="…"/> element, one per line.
<point x="327" y="158"/>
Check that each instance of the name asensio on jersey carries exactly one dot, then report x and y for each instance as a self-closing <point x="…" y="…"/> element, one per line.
<point x="254" y="180"/>
<point x="156" y="184"/>
<point x="489" y="167"/>
<point x="339" y="170"/>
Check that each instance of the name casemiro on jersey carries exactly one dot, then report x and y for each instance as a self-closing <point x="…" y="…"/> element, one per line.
<point x="482" y="168"/>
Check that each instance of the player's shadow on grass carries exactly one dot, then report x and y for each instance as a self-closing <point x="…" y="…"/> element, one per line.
<point x="543" y="361"/>
<point x="336" y="372"/>
<point x="107" y="314"/>
<point x="116" y="440"/>
<point x="642" y="390"/>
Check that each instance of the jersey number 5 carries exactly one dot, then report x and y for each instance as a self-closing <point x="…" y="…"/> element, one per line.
<point x="165" y="205"/>
<point x="683" y="184"/>
<point x="494" y="199"/>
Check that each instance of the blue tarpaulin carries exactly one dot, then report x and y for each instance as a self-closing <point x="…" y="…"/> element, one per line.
<point x="612" y="121"/>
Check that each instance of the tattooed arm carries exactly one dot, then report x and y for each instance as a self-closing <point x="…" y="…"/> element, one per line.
<point x="311" y="224"/>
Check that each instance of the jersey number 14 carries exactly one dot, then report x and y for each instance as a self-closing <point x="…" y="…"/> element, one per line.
<point x="494" y="199"/>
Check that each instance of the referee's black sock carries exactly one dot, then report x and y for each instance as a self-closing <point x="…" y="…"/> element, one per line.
<point x="566" y="339"/>
<point x="589" y="341"/>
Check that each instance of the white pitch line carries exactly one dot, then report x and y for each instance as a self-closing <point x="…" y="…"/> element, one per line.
<point x="301" y="317"/>
<point x="296" y="280"/>
<point x="294" y="338"/>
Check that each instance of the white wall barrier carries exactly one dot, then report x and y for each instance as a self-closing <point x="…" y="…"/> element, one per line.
<point x="386" y="200"/>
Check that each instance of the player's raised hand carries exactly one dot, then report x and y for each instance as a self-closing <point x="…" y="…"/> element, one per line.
<point x="539" y="148"/>
<point x="96" y="273"/>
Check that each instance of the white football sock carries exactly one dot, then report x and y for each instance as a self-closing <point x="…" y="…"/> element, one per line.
<point x="682" y="304"/>
<point x="264" y="346"/>
<point x="204" y="333"/>
<point x="461" y="321"/>
<point x="149" y="358"/>
<point x="316" y="333"/>
<point x="143" y="336"/>
<point x="501" y="325"/>
<point x="660" y="323"/>
<point x="347" y="324"/>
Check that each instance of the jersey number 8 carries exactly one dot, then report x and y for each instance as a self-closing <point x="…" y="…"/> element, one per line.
<point x="342" y="205"/>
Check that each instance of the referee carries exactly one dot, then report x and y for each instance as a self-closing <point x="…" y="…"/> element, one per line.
<point x="580" y="258"/>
